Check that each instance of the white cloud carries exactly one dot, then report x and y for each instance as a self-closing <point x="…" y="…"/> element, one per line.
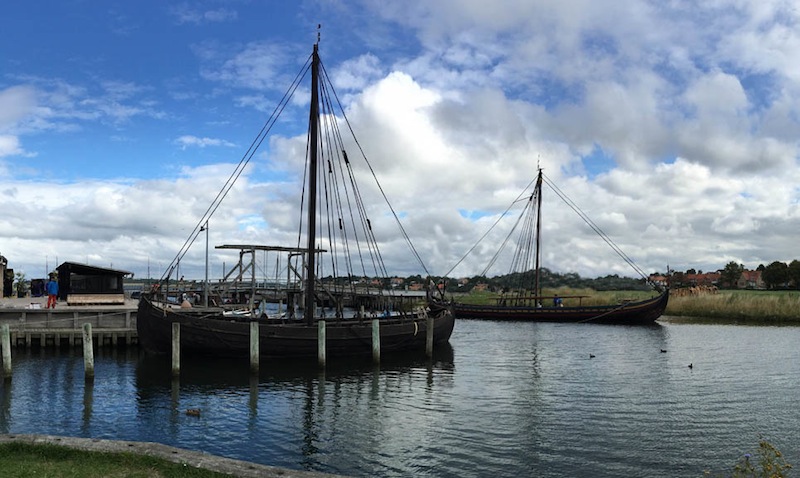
<point x="16" y="103"/>
<point x="357" y="73"/>
<point x="189" y="141"/>
<point x="455" y="103"/>
<point x="9" y="146"/>
<point x="184" y="13"/>
<point x="258" y="65"/>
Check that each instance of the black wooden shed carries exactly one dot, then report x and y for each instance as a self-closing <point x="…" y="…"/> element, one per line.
<point x="82" y="284"/>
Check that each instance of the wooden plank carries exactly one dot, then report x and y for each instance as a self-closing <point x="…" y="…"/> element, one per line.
<point x="96" y="299"/>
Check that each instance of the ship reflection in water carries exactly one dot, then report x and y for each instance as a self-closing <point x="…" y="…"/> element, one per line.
<point x="506" y="399"/>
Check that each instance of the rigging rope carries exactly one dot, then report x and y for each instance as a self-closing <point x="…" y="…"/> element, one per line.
<point x="521" y="196"/>
<point x="522" y="254"/>
<point x="405" y="235"/>
<point x="339" y="190"/>
<point x="594" y="226"/>
<point x="243" y="162"/>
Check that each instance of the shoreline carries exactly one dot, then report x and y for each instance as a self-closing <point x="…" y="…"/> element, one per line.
<point x="230" y="466"/>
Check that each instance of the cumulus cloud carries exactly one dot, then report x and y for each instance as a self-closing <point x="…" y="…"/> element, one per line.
<point x="673" y="128"/>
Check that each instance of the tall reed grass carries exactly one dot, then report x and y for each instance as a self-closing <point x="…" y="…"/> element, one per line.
<point x="744" y="306"/>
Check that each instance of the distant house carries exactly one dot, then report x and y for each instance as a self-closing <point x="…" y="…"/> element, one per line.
<point x="708" y="279"/>
<point x="659" y="280"/>
<point x="415" y="286"/>
<point x="751" y="280"/>
<point x="82" y="284"/>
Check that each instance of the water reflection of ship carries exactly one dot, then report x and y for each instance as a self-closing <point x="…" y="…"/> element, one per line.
<point x="292" y="408"/>
<point x="153" y="372"/>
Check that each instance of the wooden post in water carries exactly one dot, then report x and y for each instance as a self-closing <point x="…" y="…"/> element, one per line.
<point x="321" y="342"/>
<point x="6" y="344"/>
<point x="376" y="340"/>
<point x="254" y="346"/>
<point x="176" y="349"/>
<point x="429" y="337"/>
<point x="88" y="352"/>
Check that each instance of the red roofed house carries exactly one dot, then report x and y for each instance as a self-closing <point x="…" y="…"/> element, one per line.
<point x="750" y="280"/>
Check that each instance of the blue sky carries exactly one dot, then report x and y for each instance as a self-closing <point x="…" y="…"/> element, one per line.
<point x="675" y="126"/>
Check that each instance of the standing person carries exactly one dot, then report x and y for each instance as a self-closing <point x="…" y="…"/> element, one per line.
<point x="52" y="292"/>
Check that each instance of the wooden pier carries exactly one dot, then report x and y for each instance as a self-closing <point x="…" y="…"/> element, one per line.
<point x="31" y="325"/>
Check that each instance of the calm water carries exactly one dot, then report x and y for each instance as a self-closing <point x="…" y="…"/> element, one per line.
<point x="506" y="399"/>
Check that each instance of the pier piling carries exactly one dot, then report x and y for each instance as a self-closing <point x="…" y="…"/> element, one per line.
<point x="321" y="343"/>
<point x="429" y="337"/>
<point x="88" y="352"/>
<point x="376" y="341"/>
<point x="176" y="349"/>
<point x="6" y="345"/>
<point x="254" y="347"/>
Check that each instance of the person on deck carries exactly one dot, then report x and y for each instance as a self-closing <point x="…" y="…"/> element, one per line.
<point x="557" y="302"/>
<point x="52" y="292"/>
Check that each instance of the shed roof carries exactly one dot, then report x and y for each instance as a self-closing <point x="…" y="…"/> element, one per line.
<point x="87" y="269"/>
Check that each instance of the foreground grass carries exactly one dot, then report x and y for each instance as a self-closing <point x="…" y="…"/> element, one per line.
<point x="745" y="306"/>
<point x="52" y="461"/>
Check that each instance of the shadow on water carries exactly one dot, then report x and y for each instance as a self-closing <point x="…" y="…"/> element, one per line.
<point x="506" y="399"/>
<point x="293" y="410"/>
<point x="207" y="372"/>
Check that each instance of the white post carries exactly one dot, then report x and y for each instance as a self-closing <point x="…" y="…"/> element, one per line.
<point x="254" y="347"/>
<point x="176" y="349"/>
<point x="6" y="351"/>
<point x="429" y="337"/>
<point x="88" y="352"/>
<point x="321" y="342"/>
<point x="376" y="341"/>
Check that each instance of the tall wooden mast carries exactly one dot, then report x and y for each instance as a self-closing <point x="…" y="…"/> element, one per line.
<point x="313" y="125"/>
<point x="538" y="255"/>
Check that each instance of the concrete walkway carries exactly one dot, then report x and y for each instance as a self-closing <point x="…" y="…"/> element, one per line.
<point x="236" y="468"/>
<point x="30" y="302"/>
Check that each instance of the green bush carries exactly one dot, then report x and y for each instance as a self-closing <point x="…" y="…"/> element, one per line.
<point x="768" y="463"/>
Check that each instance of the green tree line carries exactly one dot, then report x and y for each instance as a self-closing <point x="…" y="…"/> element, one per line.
<point x="776" y="275"/>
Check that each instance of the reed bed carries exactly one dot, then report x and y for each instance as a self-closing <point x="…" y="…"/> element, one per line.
<point x="780" y="307"/>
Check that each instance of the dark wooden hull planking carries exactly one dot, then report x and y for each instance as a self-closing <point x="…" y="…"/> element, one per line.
<point x="212" y="334"/>
<point x="639" y="312"/>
